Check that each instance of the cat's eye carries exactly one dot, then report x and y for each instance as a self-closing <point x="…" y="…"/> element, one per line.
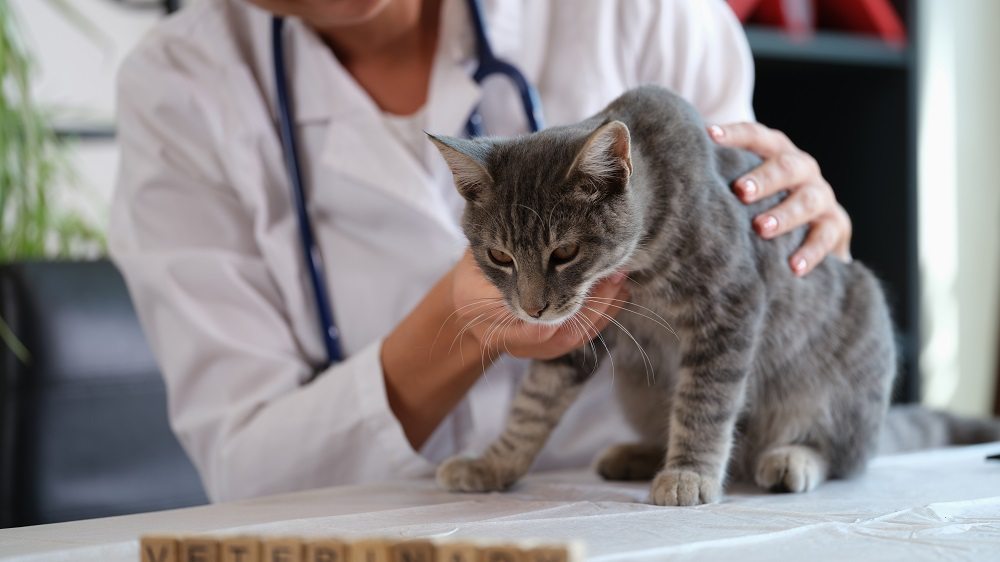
<point x="500" y="257"/>
<point x="565" y="253"/>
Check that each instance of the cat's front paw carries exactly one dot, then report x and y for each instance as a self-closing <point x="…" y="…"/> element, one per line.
<point x="684" y="487"/>
<point x="473" y="474"/>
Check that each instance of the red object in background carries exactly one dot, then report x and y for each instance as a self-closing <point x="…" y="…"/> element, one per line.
<point x="795" y="16"/>
<point x="872" y="17"/>
<point x="743" y="8"/>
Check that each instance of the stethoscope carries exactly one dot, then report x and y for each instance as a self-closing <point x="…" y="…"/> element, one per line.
<point x="488" y="65"/>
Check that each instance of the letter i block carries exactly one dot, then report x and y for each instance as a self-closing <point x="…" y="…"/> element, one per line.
<point x="369" y="551"/>
<point x="501" y="553"/>
<point x="199" y="550"/>
<point x="283" y="550"/>
<point x="326" y="551"/>
<point x="240" y="549"/>
<point x="548" y="554"/>
<point x="158" y="549"/>
<point x="412" y="551"/>
<point x="457" y="552"/>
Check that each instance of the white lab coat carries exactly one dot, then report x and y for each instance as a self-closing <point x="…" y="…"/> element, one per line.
<point x="204" y="231"/>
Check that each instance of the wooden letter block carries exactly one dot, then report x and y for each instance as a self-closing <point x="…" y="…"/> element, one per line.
<point x="502" y="553"/>
<point x="457" y="552"/>
<point x="158" y="549"/>
<point x="199" y="550"/>
<point x="283" y="550"/>
<point x="326" y="551"/>
<point x="413" y="551"/>
<point x="370" y="550"/>
<point x="240" y="549"/>
<point x="548" y="554"/>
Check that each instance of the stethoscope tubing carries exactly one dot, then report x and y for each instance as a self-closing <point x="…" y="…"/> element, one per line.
<point x="324" y="311"/>
<point x="488" y="65"/>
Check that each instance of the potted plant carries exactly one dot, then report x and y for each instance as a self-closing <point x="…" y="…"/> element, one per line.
<point x="32" y="163"/>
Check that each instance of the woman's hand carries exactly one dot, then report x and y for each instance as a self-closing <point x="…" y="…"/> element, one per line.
<point x="810" y="198"/>
<point x="483" y="315"/>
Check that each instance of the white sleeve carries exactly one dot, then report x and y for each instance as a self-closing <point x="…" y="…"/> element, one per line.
<point x="214" y="316"/>
<point x="698" y="49"/>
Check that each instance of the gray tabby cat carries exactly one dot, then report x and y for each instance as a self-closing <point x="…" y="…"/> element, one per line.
<point x="769" y="377"/>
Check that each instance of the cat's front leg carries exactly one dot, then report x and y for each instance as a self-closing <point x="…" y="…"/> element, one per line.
<point x="715" y="363"/>
<point x="545" y="394"/>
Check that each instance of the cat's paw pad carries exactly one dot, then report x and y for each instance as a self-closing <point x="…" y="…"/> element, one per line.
<point x="792" y="468"/>
<point x="472" y="474"/>
<point x="684" y="487"/>
<point x="630" y="461"/>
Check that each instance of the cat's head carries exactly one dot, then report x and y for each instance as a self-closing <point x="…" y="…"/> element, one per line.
<point x="547" y="215"/>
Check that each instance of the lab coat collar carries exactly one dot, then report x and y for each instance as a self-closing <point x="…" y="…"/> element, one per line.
<point x="455" y="62"/>
<point x="321" y="88"/>
<point x="361" y="145"/>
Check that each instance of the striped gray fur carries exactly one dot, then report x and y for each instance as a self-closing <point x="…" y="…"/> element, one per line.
<point x="773" y="378"/>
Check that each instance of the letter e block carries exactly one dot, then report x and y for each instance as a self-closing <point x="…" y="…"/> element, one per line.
<point x="199" y="550"/>
<point x="283" y="550"/>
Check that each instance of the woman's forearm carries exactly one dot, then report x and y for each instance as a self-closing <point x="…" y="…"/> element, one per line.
<point x="425" y="374"/>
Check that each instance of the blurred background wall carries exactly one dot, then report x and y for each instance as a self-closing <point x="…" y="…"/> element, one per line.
<point x="958" y="163"/>
<point x="959" y="201"/>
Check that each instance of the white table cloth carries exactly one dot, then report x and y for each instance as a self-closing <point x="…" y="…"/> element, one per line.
<point x="932" y="505"/>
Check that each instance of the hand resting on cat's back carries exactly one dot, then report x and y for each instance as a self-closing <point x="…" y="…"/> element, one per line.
<point x="726" y="362"/>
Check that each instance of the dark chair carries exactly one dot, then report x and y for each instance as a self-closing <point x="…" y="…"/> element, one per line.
<point x="83" y="423"/>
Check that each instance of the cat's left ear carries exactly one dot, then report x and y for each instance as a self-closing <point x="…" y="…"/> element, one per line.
<point x="467" y="160"/>
<point x="605" y="159"/>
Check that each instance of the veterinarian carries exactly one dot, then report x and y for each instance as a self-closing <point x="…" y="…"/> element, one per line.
<point x="205" y="230"/>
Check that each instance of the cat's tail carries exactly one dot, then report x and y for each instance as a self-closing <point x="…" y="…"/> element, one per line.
<point x="912" y="427"/>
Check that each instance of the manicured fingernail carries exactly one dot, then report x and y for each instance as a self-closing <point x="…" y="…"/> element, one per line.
<point x="768" y="224"/>
<point x="799" y="265"/>
<point x="716" y="131"/>
<point x="749" y="187"/>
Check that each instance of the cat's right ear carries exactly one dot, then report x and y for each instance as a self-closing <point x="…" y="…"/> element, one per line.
<point x="604" y="162"/>
<point x="467" y="160"/>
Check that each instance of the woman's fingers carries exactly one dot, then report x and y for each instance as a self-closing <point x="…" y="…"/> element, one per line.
<point x="801" y="207"/>
<point x="776" y="174"/>
<point x="810" y="200"/>
<point x="754" y="137"/>
<point x="822" y="239"/>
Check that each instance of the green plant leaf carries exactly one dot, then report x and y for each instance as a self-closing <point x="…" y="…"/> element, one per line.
<point x="15" y="345"/>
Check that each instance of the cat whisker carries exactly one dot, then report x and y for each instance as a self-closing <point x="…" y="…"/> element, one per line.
<point x="604" y="343"/>
<point x="647" y="363"/>
<point x="488" y="336"/>
<point x="658" y="319"/>
<point x="581" y="329"/>
<point x="474" y="322"/>
<point x="489" y="315"/>
<point x="477" y="303"/>
<point x="532" y="210"/>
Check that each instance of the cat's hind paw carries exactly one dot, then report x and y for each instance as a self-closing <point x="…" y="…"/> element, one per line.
<point x="472" y="474"/>
<point x="630" y="461"/>
<point x="790" y="468"/>
<point x="677" y="487"/>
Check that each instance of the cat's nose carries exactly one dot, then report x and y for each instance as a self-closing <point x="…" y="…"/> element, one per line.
<point x="536" y="311"/>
